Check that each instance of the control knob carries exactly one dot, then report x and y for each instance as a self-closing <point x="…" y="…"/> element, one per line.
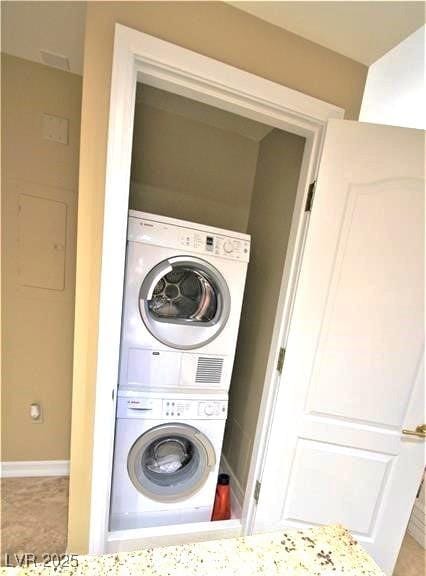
<point x="228" y="246"/>
<point x="210" y="409"/>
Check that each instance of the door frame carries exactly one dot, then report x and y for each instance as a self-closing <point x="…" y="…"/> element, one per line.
<point x="141" y="57"/>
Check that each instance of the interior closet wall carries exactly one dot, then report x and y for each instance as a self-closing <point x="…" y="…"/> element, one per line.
<point x="274" y="193"/>
<point x="202" y="164"/>
<point x="192" y="161"/>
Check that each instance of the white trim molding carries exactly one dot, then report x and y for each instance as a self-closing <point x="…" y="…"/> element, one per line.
<point x="237" y="491"/>
<point x="32" y="468"/>
<point x="144" y="58"/>
<point x="136" y="539"/>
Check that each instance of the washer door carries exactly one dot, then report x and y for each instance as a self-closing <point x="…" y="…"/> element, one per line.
<point x="184" y="302"/>
<point x="170" y="462"/>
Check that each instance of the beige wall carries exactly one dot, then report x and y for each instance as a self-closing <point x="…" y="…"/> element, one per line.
<point x="277" y="175"/>
<point x="39" y="204"/>
<point x="216" y="30"/>
<point x="184" y="168"/>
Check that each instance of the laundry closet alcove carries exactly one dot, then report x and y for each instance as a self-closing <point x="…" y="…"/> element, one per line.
<point x="140" y="59"/>
<point x="318" y="413"/>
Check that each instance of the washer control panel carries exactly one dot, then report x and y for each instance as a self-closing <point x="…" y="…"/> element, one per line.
<point x="192" y="409"/>
<point x="170" y="235"/>
<point x="171" y="408"/>
<point x="211" y="409"/>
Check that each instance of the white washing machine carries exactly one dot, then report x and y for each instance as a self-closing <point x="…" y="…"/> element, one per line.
<point x="166" y="458"/>
<point x="184" y="288"/>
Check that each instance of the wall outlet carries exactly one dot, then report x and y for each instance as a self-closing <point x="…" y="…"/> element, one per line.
<point x="36" y="413"/>
<point x="55" y="128"/>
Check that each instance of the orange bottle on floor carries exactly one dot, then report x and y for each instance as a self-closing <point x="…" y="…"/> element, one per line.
<point x="222" y="501"/>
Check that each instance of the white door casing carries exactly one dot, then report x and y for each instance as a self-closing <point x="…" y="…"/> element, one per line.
<point x="144" y="58"/>
<point x="353" y="373"/>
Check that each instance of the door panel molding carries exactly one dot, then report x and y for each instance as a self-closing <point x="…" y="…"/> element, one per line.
<point x="352" y="376"/>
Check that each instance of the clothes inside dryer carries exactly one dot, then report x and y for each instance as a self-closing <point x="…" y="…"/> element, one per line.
<point x="167" y="456"/>
<point x="184" y="301"/>
<point x="184" y="294"/>
<point x="170" y="462"/>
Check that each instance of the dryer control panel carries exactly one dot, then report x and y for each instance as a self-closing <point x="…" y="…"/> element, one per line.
<point x="147" y="407"/>
<point x="204" y="240"/>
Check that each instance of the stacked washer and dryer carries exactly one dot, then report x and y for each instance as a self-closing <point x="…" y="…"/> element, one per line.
<point x="184" y="288"/>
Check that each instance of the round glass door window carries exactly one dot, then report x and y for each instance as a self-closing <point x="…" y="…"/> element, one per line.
<point x="170" y="462"/>
<point x="184" y="302"/>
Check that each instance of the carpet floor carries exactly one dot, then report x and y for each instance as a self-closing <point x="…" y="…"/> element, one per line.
<point x="411" y="559"/>
<point x="34" y="516"/>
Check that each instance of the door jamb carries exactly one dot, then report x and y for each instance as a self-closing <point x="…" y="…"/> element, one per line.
<point x="141" y="57"/>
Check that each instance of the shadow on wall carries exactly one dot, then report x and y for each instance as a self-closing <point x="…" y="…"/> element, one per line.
<point x="275" y="187"/>
<point x="192" y="161"/>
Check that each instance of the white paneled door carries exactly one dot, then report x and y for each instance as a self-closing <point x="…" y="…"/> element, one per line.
<point x="353" y="372"/>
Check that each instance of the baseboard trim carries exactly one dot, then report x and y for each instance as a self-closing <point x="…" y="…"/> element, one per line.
<point x="15" y="469"/>
<point x="237" y="491"/>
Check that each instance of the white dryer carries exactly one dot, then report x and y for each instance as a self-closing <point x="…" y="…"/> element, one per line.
<point x="184" y="288"/>
<point x="166" y="458"/>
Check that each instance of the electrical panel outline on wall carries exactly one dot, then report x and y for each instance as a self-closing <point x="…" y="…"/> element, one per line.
<point x="42" y="228"/>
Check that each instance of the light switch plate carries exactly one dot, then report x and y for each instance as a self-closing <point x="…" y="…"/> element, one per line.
<point x="55" y="128"/>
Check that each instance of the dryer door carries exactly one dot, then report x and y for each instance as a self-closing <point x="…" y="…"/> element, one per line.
<point x="170" y="462"/>
<point x="184" y="302"/>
